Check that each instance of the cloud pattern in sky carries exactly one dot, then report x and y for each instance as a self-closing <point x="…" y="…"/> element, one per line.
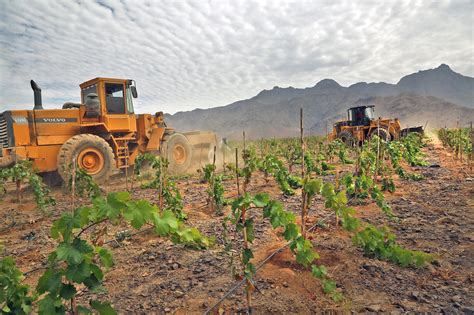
<point x="188" y="54"/>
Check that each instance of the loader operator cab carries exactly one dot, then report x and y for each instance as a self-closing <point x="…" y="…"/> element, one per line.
<point x="360" y="115"/>
<point x="118" y="95"/>
<point x="110" y="101"/>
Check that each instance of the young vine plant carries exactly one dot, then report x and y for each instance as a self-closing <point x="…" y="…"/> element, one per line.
<point x="22" y="172"/>
<point x="279" y="218"/>
<point x="79" y="260"/>
<point x="215" y="189"/>
<point x="167" y="188"/>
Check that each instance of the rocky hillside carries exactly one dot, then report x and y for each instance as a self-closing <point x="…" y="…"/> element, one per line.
<point x="438" y="95"/>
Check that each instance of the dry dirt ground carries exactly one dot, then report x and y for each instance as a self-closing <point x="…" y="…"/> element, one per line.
<point x="151" y="275"/>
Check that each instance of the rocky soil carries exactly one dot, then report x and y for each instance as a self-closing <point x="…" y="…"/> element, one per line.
<point x="151" y="275"/>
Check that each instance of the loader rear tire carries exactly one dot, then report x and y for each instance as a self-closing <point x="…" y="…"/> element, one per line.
<point x="346" y="137"/>
<point x="381" y="132"/>
<point x="91" y="153"/>
<point x="179" y="153"/>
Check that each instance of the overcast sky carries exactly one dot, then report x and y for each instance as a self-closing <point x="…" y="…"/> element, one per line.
<point x="188" y="54"/>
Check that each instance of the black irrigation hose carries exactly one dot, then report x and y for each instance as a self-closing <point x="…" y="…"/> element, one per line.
<point x="260" y="265"/>
<point x="27" y="273"/>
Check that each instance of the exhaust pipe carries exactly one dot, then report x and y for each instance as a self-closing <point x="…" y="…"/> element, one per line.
<point x="37" y="93"/>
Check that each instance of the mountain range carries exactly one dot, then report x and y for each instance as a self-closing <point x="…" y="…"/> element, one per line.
<point x="438" y="96"/>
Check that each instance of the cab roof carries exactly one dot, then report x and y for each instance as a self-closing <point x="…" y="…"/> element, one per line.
<point x="363" y="106"/>
<point x="98" y="79"/>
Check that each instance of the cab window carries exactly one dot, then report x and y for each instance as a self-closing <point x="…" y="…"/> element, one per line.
<point x="129" y="101"/>
<point x="369" y="112"/>
<point x="88" y="90"/>
<point x="114" y="98"/>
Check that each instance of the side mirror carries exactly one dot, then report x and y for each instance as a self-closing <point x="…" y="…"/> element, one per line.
<point x="133" y="88"/>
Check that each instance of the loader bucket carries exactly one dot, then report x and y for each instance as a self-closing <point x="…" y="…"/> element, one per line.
<point x="203" y="143"/>
<point x="406" y="131"/>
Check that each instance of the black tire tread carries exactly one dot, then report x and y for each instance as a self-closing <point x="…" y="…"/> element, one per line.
<point x="66" y="152"/>
<point x="384" y="135"/>
<point x="350" y="137"/>
<point x="177" y="169"/>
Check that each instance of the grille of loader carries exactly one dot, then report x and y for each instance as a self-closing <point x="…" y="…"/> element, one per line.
<point x="3" y="132"/>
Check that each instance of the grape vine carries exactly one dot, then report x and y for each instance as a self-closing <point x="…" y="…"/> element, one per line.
<point x="167" y="188"/>
<point x="215" y="190"/>
<point x="23" y="172"/>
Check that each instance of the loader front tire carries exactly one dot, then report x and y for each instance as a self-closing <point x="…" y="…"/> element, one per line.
<point x="347" y="137"/>
<point x="90" y="153"/>
<point x="179" y="153"/>
<point x="381" y="132"/>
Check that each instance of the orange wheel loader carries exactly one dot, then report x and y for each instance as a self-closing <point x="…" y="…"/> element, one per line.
<point x="101" y="134"/>
<point x="361" y="125"/>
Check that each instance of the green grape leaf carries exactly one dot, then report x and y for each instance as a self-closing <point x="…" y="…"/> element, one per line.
<point x="350" y="223"/>
<point x="319" y="271"/>
<point x="170" y="219"/>
<point x="97" y="272"/>
<point x="246" y="255"/>
<point x="404" y="258"/>
<point x="337" y="296"/>
<point x="188" y="235"/>
<point x="329" y="286"/>
<point x="50" y="306"/>
<point x="78" y="273"/>
<point x="137" y="213"/>
<point x="243" y="201"/>
<point x="94" y="284"/>
<point x="261" y="200"/>
<point x="341" y="198"/>
<point x="65" y="226"/>
<point x="304" y="252"/>
<point x="50" y="281"/>
<point x="249" y="271"/>
<point x="73" y="253"/>
<point x="83" y="310"/>
<point x="83" y="214"/>
<point x="291" y="231"/>
<point x="327" y="190"/>
<point x="67" y="292"/>
<point x="313" y="187"/>
<point x="112" y="206"/>
<point x="271" y="208"/>
<point x="166" y="223"/>
<point x="250" y="230"/>
<point x="118" y="199"/>
<point x="105" y="257"/>
<point x="68" y="253"/>
<point x="161" y="228"/>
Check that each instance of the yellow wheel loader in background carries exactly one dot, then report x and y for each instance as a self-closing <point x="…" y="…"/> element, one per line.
<point x="101" y="134"/>
<point x="361" y="125"/>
